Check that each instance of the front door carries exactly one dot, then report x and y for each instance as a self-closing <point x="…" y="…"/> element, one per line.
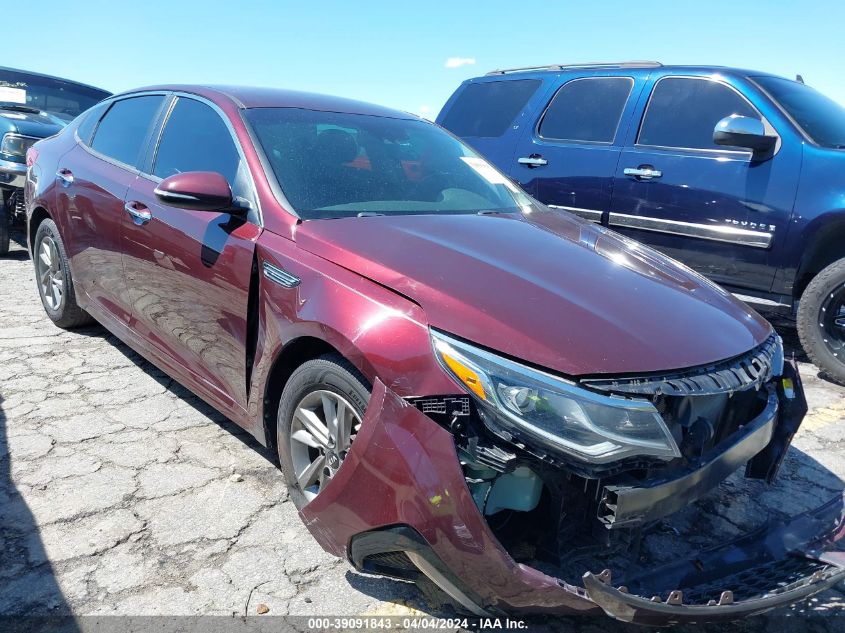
<point x="567" y="159"/>
<point x="715" y="208"/>
<point x="188" y="271"/>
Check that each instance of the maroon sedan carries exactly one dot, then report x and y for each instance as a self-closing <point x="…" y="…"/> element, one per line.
<point x="462" y="384"/>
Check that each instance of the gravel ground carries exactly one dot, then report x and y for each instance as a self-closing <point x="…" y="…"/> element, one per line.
<point x="121" y="493"/>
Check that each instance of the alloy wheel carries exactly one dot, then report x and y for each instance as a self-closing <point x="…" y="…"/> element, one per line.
<point x="50" y="275"/>
<point x="832" y="322"/>
<point x="323" y="427"/>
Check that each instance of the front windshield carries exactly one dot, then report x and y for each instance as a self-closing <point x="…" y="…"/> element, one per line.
<point x="821" y="118"/>
<point x="32" y="93"/>
<point x="331" y="165"/>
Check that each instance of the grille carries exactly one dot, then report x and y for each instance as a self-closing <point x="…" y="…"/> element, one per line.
<point x="748" y="371"/>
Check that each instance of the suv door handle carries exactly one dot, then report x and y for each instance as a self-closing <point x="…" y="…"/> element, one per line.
<point x="535" y="160"/>
<point x="139" y="212"/>
<point x="65" y="177"/>
<point x="643" y="172"/>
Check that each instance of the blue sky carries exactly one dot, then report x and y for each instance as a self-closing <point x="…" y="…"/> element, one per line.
<point x="395" y="53"/>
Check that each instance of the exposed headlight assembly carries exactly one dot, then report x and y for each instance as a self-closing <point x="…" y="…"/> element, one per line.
<point x="16" y="144"/>
<point x="558" y="414"/>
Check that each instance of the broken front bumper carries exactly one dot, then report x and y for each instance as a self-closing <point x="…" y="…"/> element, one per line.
<point x="399" y="505"/>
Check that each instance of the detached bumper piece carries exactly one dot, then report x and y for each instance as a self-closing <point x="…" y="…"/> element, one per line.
<point x="774" y="566"/>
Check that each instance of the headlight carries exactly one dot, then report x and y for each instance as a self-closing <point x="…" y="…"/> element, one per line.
<point x="15" y="144"/>
<point x="563" y="417"/>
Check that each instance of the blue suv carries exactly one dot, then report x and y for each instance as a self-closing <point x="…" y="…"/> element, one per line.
<point x="738" y="174"/>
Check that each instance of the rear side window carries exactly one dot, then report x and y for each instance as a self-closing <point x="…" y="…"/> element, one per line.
<point x="123" y="130"/>
<point x="89" y="122"/>
<point x="488" y="108"/>
<point x="683" y="112"/>
<point x="587" y="110"/>
<point x="195" y="138"/>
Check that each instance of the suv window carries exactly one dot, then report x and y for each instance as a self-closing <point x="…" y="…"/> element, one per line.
<point x="488" y="108"/>
<point x="195" y="138"/>
<point x="587" y="109"/>
<point x="123" y="130"/>
<point x="683" y="112"/>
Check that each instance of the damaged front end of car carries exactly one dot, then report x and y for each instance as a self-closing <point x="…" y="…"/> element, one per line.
<point x="512" y="496"/>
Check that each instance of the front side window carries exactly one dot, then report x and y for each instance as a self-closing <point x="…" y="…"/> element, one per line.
<point x="683" y="113"/>
<point x="821" y="118"/>
<point x="487" y="109"/>
<point x="587" y="110"/>
<point x="195" y="138"/>
<point x="63" y="99"/>
<point x="331" y="164"/>
<point x="123" y="130"/>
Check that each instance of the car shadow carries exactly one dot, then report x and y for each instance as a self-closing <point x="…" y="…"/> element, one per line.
<point x="181" y="392"/>
<point x="30" y="596"/>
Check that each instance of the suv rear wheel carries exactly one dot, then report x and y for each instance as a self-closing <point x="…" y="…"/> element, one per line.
<point x="821" y="320"/>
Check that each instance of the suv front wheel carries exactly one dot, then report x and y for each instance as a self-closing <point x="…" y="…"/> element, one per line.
<point x="821" y="320"/>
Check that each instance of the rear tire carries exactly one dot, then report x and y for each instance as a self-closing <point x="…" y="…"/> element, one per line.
<point x="329" y="378"/>
<point x="5" y="226"/>
<point x="53" y="278"/>
<point x="821" y="321"/>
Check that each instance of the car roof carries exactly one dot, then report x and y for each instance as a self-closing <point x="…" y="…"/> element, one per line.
<point x="257" y="97"/>
<point x="45" y="76"/>
<point x="628" y="66"/>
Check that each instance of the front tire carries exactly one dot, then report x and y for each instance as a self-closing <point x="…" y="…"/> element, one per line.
<point x="320" y="413"/>
<point x="5" y="226"/>
<point x="821" y="320"/>
<point x="52" y="275"/>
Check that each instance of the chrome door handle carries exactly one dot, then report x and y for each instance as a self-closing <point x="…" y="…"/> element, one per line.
<point x="139" y="216"/>
<point x="65" y="177"/>
<point x="532" y="161"/>
<point x="643" y="173"/>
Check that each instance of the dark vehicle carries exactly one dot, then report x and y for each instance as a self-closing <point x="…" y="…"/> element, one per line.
<point x="424" y="346"/>
<point x="738" y="174"/>
<point x="32" y="107"/>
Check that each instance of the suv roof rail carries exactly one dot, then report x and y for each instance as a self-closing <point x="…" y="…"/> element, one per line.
<point x="628" y="64"/>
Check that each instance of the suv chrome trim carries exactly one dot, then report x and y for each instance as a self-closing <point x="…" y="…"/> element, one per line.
<point x="714" y="232"/>
<point x="592" y="215"/>
<point x="280" y="276"/>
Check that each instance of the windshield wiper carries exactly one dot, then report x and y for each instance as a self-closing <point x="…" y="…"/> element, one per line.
<point x="19" y="108"/>
<point x="368" y="214"/>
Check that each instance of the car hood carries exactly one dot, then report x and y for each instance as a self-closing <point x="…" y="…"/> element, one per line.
<point x="40" y="125"/>
<point x="545" y="287"/>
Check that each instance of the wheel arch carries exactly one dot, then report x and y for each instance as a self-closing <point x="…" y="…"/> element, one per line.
<point x="38" y="215"/>
<point x="825" y="246"/>
<point x="296" y="352"/>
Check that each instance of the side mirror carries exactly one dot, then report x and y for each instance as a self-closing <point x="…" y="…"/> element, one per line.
<point x="196" y="190"/>
<point x="743" y="131"/>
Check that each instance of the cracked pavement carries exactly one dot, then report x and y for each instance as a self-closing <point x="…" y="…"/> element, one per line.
<point x="121" y="493"/>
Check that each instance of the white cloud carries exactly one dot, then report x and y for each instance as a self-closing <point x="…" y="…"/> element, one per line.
<point x="455" y="62"/>
<point x="424" y="111"/>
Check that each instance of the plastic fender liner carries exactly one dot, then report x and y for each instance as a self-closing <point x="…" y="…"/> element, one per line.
<point x="774" y="566"/>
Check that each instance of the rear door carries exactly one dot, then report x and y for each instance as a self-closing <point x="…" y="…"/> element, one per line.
<point x="491" y="115"/>
<point x="94" y="177"/>
<point x="188" y="271"/>
<point x="710" y="206"/>
<point x="568" y="154"/>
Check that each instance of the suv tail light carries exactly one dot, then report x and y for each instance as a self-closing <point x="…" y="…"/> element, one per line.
<point x="31" y="156"/>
